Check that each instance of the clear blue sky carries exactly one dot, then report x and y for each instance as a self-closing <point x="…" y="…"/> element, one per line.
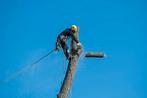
<point x="28" y="29"/>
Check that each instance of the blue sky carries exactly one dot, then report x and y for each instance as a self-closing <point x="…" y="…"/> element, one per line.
<point x="28" y="30"/>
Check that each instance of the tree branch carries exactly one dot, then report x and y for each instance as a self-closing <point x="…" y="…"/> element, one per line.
<point x="95" y="54"/>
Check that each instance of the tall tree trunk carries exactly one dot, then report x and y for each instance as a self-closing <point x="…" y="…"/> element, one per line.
<point x="67" y="83"/>
<point x="65" y="88"/>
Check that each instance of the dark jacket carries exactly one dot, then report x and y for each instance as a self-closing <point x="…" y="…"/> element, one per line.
<point x="67" y="33"/>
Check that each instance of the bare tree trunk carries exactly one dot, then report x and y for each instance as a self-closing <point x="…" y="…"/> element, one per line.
<point x="67" y="83"/>
<point x="65" y="89"/>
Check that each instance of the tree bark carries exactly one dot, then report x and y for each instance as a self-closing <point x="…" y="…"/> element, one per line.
<point x="65" y="88"/>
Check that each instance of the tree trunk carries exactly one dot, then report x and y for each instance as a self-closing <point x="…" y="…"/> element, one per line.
<point x="67" y="83"/>
<point x="65" y="88"/>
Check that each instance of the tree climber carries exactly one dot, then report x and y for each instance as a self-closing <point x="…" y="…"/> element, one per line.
<point x="64" y="36"/>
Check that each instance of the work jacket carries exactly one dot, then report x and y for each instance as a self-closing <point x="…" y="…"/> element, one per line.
<point x="67" y="33"/>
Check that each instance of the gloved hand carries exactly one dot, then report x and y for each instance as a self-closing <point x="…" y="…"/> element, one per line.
<point x="79" y="45"/>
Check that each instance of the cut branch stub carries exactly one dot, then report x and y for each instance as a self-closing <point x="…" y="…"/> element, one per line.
<point x="95" y="54"/>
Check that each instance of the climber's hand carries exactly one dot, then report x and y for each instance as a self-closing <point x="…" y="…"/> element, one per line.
<point x="79" y="45"/>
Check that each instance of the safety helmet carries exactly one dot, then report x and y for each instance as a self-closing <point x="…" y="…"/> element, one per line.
<point x="74" y="28"/>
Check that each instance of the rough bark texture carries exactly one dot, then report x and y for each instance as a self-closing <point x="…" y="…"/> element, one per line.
<point x="95" y="54"/>
<point x="67" y="83"/>
<point x="65" y="89"/>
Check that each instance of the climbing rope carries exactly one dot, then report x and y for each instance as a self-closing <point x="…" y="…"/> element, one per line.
<point x="13" y="76"/>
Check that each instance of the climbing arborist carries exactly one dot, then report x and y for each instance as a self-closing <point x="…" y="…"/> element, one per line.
<point x="64" y="36"/>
